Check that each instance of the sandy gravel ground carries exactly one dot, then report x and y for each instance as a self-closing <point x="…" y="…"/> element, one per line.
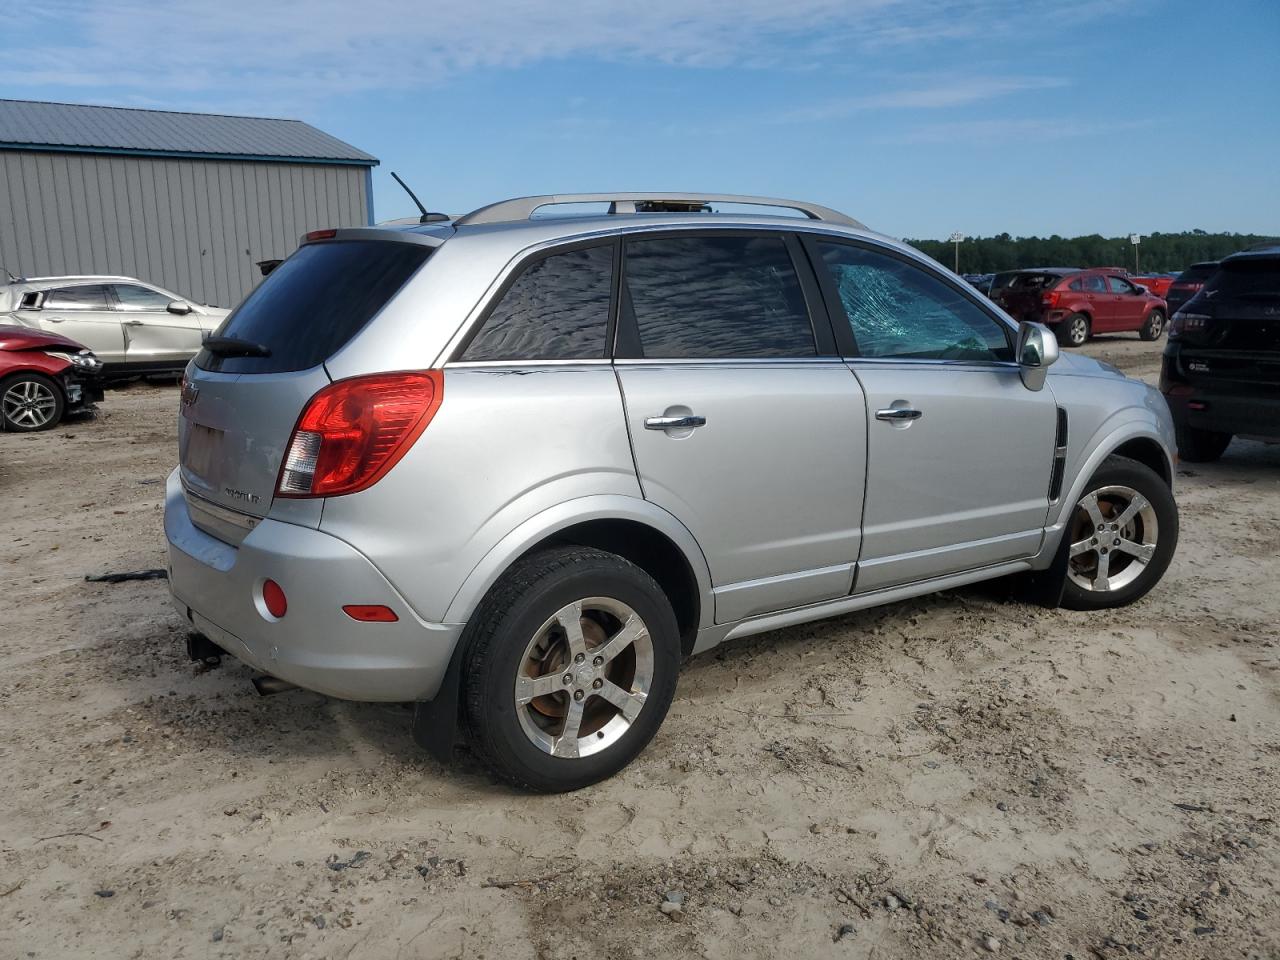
<point x="950" y="776"/>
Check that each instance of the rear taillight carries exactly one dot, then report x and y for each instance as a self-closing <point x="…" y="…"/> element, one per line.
<point x="353" y="431"/>
<point x="1051" y="298"/>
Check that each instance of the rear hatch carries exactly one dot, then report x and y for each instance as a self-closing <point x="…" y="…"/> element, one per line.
<point x="1230" y="331"/>
<point x="244" y="391"/>
<point x="1021" y="296"/>
<point x="1188" y="284"/>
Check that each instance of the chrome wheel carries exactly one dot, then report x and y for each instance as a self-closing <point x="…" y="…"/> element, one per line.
<point x="29" y="404"/>
<point x="1113" y="538"/>
<point x="584" y="677"/>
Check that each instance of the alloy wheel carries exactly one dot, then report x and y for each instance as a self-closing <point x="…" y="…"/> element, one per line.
<point x="584" y="677"/>
<point x="1079" y="331"/>
<point x="29" y="403"/>
<point x="1113" y="538"/>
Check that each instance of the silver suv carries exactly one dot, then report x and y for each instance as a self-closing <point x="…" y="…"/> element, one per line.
<point x="515" y="467"/>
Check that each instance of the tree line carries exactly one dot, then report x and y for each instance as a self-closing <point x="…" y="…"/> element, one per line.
<point x="1158" y="252"/>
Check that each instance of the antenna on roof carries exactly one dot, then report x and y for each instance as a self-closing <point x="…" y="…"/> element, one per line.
<point x="426" y="217"/>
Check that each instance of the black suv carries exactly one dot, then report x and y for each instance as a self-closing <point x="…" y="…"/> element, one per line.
<point x="1221" y="371"/>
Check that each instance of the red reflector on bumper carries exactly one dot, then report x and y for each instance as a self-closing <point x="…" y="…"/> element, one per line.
<point x="273" y="597"/>
<point x="370" y="613"/>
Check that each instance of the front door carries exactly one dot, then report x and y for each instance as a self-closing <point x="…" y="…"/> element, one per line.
<point x="744" y="422"/>
<point x="154" y="337"/>
<point x="1129" y="304"/>
<point x="83" y="313"/>
<point x="959" y="452"/>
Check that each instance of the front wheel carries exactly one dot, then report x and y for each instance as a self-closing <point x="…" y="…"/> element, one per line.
<point x="571" y="664"/>
<point x="1153" y="327"/>
<point x="1074" y="331"/>
<point x="1122" y="536"/>
<point x="29" y="402"/>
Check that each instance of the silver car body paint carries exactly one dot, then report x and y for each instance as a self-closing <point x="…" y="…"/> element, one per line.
<point x="793" y="502"/>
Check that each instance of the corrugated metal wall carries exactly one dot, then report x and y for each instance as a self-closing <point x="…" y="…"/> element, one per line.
<point x="196" y="227"/>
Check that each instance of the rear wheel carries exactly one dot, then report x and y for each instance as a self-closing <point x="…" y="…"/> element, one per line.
<point x="1122" y="535"/>
<point x="29" y="402"/>
<point x="1153" y="327"/>
<point x="570" y="668"/>
<point x="1074" y="331"/>
<point x="1200" y="446"/>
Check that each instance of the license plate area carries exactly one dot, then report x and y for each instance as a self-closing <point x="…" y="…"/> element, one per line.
<point x="204" y="448"/>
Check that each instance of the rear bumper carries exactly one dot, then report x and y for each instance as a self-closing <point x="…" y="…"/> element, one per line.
<point x="217" y="588"/>
<point x="1257" y="416"/>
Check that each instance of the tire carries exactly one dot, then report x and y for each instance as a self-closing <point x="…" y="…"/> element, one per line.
<point x="1153" y="327"/>
<point x="1074" y="331"/>
<point x="518" y="632"/>
<point x="1200" y="446"/>
<point x="1133" y="506"/>
<point x="30" y="402"/>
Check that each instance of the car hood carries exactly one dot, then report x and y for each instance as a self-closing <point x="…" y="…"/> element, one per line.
<point x="24" y="338"/>
<point x="1078" y="365"/>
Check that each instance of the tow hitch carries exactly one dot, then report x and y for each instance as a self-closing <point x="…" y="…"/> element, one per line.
<point x="203" y="650"/>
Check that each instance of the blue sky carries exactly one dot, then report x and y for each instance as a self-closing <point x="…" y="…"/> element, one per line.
<point x="919" y="117"/>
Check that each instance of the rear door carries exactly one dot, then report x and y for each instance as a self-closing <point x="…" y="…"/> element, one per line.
<point x="238" y="412"/>
<point x="744" y="422"/>
<point x="959" y="452"/>
<point x="153" y="335"/>
<point x="83" y="313"/>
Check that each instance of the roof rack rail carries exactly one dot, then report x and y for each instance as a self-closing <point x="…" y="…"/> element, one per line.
<point x="522" y="208"/>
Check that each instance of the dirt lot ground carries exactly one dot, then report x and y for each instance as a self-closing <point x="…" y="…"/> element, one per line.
<point x="949" y="776"/>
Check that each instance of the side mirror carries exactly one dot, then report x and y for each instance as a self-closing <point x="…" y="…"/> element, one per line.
<point x="1037" y="350"/>
<point x="180" y="307"/>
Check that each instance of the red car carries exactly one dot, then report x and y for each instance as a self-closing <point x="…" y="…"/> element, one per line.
<point x="1157" y="284"/>
<point x="43" y="377"/>
<point x="1079" y="303"/>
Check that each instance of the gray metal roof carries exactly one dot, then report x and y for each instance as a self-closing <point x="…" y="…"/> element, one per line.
<point x="81" y="128"/>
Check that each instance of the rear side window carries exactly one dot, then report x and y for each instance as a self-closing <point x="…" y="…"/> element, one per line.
<point x="315" y="302"/>
<point x="699" y="298"/>
<point x="1250" y="279"/>
<point x="898" y="311"/>
<point x="91" y="296"/>
<point x="557" y="309"/>
<point x="1093" y="283"/>
<point x="1077" y="284"/>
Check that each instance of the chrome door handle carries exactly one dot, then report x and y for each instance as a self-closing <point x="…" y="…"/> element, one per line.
<point x="896" y="414"/>
<point x="675" y="423"/>
<point x="54" y="319"/>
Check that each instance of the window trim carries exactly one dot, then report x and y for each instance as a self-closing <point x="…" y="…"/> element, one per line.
<point x="844" y="330"/>
<point x="824" y="343"/>
<point x="518" y="270"/>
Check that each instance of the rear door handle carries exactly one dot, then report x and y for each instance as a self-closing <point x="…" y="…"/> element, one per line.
<point x="896" y="414"/>
<point x="675" y="423"/>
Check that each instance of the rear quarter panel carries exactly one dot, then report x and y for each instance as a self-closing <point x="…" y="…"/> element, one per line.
<point x="507" y="444"/>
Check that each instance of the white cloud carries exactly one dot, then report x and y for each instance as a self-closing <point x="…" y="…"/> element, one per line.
<point x="298" y="49"/>
<point x="954" y="92"/>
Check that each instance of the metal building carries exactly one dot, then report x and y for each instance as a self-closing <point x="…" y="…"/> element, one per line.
<point x="189" y="201"/>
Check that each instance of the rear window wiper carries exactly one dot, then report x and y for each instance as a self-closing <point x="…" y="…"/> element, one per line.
<point x="235" y="347"/>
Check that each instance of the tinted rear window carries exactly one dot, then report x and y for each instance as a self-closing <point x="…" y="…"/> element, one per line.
<point x="310" y="306"/>
<point x="1247" y="278"/>
<point x="1198" y="272"/>
<point x="1033" y="281"/>
<point x="729" y="297"/>
<point x="557" y="309"/>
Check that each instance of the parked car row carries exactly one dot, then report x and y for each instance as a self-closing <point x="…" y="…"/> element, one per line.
<point x="133" y="327"/>
<point x="1076" y="304"/>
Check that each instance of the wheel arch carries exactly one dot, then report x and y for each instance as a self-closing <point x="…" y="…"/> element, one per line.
<point x="634" y="529"/>
<point x="1138" y="440"/>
